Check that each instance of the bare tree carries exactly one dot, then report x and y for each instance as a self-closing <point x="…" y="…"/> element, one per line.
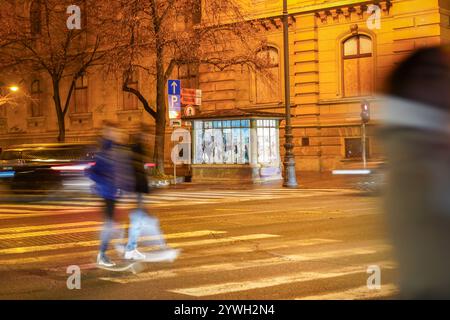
<point x="159" y="35"/>
<point x="38" y="40"/>
<point x="7" y="99"/>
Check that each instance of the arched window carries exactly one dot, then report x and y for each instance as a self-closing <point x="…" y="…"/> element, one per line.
<point x="130" y="101"/>
<point x="357" y="66"/>
<point x="80" y="96"/>
<point x="36" y="110"/>
<point x="35" y="17"/>
<point x="268" y="88"/>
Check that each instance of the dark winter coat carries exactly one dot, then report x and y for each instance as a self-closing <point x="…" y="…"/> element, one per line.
<point x="103" y="173"/>
<point x="140" y="175"/>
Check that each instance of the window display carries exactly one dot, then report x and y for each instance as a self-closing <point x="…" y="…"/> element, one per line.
<point x="222" y="142"/>
<point x="228" y="142"/>
<point x="267" y="133"/>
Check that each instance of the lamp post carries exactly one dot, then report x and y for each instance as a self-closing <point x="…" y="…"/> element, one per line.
<point x="290" y="179"/>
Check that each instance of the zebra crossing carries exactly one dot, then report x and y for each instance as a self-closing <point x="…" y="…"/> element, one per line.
<point x="289" y="257"/>
<point x="220" y="261"/>
<point x="162" y="199"/>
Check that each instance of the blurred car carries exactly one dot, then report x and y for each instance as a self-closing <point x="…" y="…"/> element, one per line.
<point x="46" y="167"/>
<point x="371" y="179"/>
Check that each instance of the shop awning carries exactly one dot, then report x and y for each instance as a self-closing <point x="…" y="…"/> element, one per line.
<point x="235" y="113"/>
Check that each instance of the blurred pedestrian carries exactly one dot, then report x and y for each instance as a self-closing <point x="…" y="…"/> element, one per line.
<point x="417" y="138"/>
<point x="109" y="175"/>
<point x="141" y="222"/>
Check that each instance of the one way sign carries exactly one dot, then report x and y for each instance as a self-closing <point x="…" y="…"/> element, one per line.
<point x="174" y="90"/>
<point x="174" y="87"/>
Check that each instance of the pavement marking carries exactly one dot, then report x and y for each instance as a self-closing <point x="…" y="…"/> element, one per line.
<point x="270" y="247"/>
<point x="360" y="293"/>
<point x="241" y="265"/>
<point x="41" y="207"/>
<point x="92" y="253"/>
<point x="80" y="204"/>
<point x="55" y="232"/>
<point x="221" y="215"/>
<point x="79" y="244"/>
<point x="166" y="199"/>
<point x="32" y="215"/>
<point x="237" y="286"/>
<point x="49" y="226"/>
<point x="7" y="210"/>
<point x="160" y="274"/>
<point x="234" y="209"/>
<point x="54" y="257"/>
<point x="224" y="240"/>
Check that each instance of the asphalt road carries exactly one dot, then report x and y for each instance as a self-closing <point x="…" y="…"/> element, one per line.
<point x="267" y="243"/>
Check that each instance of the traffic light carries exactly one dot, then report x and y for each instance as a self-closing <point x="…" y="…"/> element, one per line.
<point x="365" y="111"/>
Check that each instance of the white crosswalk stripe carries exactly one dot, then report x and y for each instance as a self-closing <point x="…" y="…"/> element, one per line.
<point x="241" y="265"/>
<point x="264" y="282"/>
<point x="160" y="199"/>
<point x="92" y="253"/>
<point x="363" y="292"/>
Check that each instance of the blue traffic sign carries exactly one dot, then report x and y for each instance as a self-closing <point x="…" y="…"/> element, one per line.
<point x="174" y="87"/>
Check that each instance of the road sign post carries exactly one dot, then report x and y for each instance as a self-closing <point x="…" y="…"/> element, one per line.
<point x="365" y="118"/>
<point x="174" y="172"/>
<point x="363" y="142"/>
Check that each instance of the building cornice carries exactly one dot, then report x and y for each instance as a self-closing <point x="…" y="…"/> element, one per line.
<point x="330" y="11"/>
<point x="333" y="14"/>
<point x="313" y="8"/>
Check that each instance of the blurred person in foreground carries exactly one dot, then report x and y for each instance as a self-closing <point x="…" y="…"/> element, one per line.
<point x="111" y="174"/>
<point x="141" y="222"/>
<point x="416" y="133"/>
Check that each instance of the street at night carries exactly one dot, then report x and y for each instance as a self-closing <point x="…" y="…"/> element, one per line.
<point x="224" y="159"/>
<point x="262" y="243"/>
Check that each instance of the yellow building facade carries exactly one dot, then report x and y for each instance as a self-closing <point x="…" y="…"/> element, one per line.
<point x="340" y="55"/>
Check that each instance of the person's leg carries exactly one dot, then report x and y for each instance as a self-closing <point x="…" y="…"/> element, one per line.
<point x="134" y="230"/>
<point x="135" y="223"/>
<point x="151" y="229"/>
<point x="140" y="200"/>
<point x="108" y="227"/>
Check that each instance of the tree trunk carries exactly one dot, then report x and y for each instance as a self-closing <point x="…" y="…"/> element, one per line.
<point x="160" y="122"/>
<point x="59" y="112"/>
<point x="61" y="128"/>
<point x="160" y="128"/>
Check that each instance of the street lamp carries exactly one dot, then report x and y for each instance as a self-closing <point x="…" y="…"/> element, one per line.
<point x="13" y="88"/>
<point x="290" y="179"/>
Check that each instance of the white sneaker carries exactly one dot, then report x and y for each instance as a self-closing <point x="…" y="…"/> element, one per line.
<point x="134" y="255"/>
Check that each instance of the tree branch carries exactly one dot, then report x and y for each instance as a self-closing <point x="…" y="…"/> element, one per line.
<point x="141" y="98"/>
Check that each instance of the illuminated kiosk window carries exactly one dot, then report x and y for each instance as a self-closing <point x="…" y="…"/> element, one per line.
<point x="235" y="145"/>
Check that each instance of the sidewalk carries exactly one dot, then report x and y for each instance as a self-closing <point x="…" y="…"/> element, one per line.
<point x="305" y="180"/>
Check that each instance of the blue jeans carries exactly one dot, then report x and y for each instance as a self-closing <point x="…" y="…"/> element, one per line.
<point x="143" y="224"/>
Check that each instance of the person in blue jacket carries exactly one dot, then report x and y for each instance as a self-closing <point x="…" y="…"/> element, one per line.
<point x="107" y="177"/>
